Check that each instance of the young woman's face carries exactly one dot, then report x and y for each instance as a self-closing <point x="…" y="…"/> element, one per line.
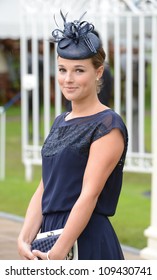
<point x="77" y="78"/>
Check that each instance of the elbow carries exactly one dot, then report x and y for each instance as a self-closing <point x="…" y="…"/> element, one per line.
<point x="90" y="199"/>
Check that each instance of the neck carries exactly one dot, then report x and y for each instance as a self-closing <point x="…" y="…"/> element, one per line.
<point x="84" y="109"/>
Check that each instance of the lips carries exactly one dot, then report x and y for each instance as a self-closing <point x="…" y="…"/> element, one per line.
<point x="70" y="88"/>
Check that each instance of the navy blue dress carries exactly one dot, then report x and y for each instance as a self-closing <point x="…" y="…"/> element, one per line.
<point x="64" y="158"/>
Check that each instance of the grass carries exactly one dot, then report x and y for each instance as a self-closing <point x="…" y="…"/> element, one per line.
<point x="133" y="210"/>
<point x="15" y="191"/>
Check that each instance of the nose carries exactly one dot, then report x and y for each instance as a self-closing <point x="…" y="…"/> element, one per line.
<point x="69" y="77"/>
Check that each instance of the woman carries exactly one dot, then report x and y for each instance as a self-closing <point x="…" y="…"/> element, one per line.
<point x="82" y="158"/>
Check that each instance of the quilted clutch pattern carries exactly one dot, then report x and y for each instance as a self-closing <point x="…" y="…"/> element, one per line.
<point x="44" y="244"/>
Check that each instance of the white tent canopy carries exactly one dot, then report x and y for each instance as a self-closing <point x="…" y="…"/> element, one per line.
<point x="10" y="19"/>
<point x="10" y="11"/>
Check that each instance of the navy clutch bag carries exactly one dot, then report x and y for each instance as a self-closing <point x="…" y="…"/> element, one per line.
<point x="44" y="244"/>
<point x="45" y="241"/>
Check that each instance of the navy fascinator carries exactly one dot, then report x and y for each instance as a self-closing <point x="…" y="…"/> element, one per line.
<point x="76" y="40"/>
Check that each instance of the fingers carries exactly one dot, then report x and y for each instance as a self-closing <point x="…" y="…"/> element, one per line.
<point x="39" y="255"/>
<point x="25" y="252"/>
<point x="31" y="256"/>
<point x="27" y="255"/>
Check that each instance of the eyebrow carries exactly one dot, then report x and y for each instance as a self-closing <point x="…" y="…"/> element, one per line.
<point x="75" y="66"/>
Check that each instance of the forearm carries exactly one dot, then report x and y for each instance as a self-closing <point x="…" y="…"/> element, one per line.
<point x="33" y="217"/>
<point x="80" y="215"/>
<point x="76" y="223"/>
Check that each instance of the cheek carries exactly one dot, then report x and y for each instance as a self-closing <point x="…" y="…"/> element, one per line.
<point x="60" y="80"/>
<point x="89" y="83"/>
<point x="84" y="81"/>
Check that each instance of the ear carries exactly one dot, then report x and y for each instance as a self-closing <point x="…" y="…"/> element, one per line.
<point x="100" y="71"/>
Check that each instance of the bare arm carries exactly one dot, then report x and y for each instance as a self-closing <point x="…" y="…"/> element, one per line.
<point x="31" y="224"/>
<point x="104" y="156"/>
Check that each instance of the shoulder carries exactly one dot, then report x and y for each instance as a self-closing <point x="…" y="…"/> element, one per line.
<point x="107" y="121"/>
<point x="109" y="118"/>
<point x="58" y="119"/>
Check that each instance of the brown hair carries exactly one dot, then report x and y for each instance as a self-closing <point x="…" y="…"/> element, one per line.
<point x="98" y="60"/>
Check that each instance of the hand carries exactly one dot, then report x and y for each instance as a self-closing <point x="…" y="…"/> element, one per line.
<point x="24" y="250"/>
<point x="39" y="255"/>
<point x="43" y="256"/>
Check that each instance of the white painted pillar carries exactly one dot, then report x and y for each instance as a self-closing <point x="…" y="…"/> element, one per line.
<point x="117" y="74"/>
<point x="25" y="82"/>
<point x="104" y="34"/>
<point x="35" y="90"/>
<point x="129" y="89"/>
<point x="58" y="94"/>
<point x="141" y="82"/>
<point x="150" y="252"/>
<point x="46" y="65"/>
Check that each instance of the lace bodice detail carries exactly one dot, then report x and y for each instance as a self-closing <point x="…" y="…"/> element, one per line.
<point x="79" y="133"/>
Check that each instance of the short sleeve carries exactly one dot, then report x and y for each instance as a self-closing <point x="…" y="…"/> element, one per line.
<point x="107" y="123"/>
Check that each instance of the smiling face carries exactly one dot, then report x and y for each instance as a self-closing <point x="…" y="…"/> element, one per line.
<point x="77" y="78"/>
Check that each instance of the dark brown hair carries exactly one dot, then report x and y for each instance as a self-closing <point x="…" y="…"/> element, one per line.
<point x="98" y="60"/>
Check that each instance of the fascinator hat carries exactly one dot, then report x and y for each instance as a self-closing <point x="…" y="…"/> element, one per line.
<point x="76" y="40"/>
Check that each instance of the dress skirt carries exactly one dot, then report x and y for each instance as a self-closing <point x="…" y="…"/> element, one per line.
<point x="98" y="241"/>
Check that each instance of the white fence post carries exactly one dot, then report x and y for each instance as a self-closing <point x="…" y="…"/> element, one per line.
<point x="58" y="94"/>
<point x="150" y="252"/>
<point x="2" y="142"/>
<point x="29" y="83"/>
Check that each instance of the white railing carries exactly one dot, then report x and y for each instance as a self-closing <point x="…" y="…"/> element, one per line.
<point x="3" y="133"/>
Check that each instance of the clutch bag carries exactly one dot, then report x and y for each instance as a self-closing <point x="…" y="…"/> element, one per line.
<point x="45" y="241"/>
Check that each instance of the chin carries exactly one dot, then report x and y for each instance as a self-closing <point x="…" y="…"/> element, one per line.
<point x="68" y="98"/>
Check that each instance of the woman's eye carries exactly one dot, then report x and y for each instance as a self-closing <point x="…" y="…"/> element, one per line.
<point x="79" y="70"/>
<point x="61" y="70"/>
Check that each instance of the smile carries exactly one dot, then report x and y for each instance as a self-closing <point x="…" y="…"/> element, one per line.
<point x="70" y="88"/>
